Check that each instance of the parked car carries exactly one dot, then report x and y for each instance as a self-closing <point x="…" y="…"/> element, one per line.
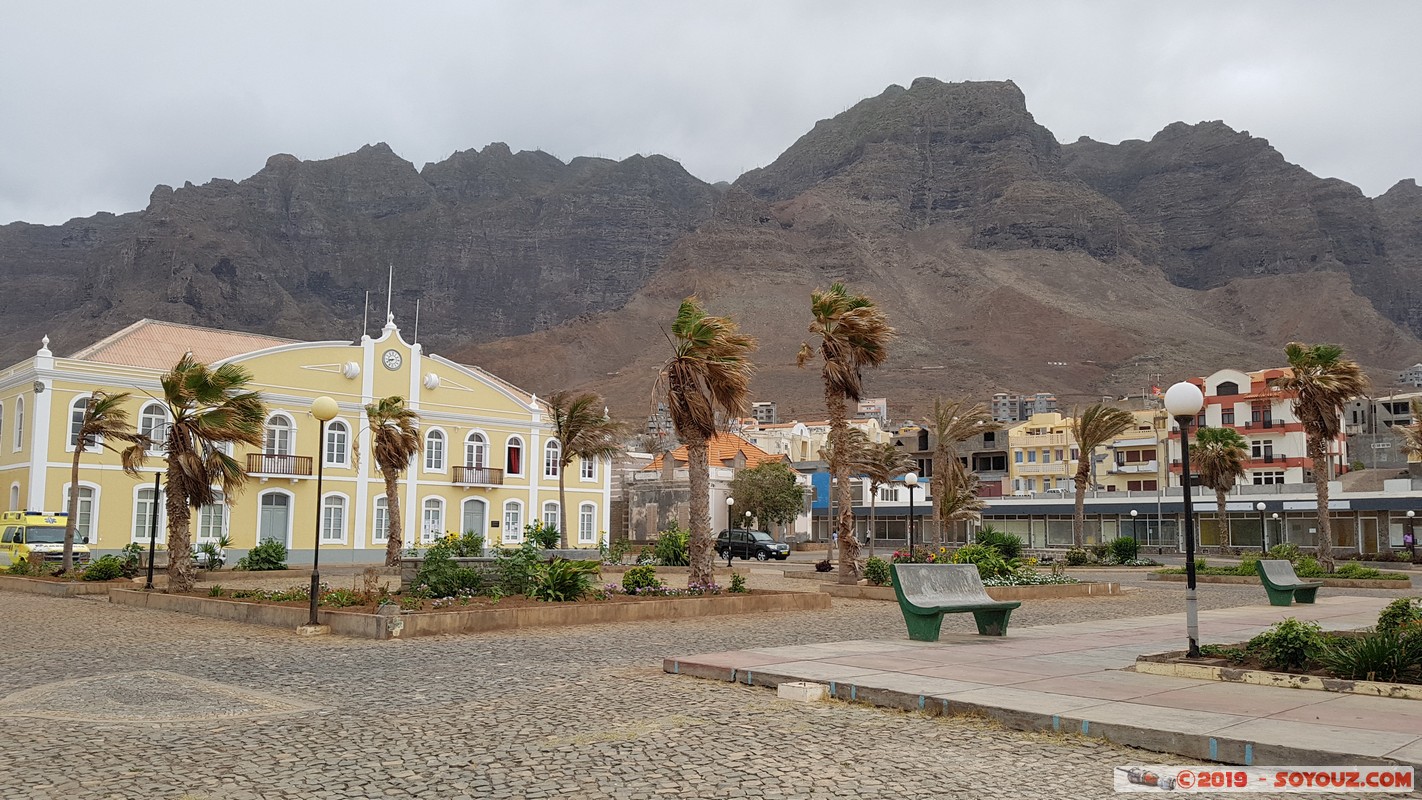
<point x="742" y="543"/>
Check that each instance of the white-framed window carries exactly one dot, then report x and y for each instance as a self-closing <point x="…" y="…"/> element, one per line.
<point x="476" y="451"/>
<point x="587" y="522"/>
<point x="84" y="512"/>
<point x="279" y="434"/>
<point x="552" y="453"/>
<point x="587" y="469"/>
<point x="474" y="516"/>
<point x="337" y="451"/>
<point x="212" y="519"/>
<point x="513" y="522"/>
<point x="333" y="519"/>
<point x="513" y="456"/>
<point x="432" y="520"/>
<point x="77" y="411"/>
<point x="550" y="515"/>
<point x="2" y="419"/>
<point x="1268" y="478"/>
<point x="143" y="510"/>
<point x="380" y="521"/>
<point x="19" y="422"/>
<point x="153" y="423"/>
<point x="434" y="451"/>
<point x="274" y="516"/>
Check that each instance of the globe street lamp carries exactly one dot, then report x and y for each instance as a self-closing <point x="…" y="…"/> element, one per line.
<point x="910" y="480"/>
<point x="1263" y="532"/>
<point x="730" y="535"/>
<point x="1409" y="537"/>
<point x="1183" y="401"/>
<point x="323" y="409"/>
<point x="1277" y="527"/>
<point x="1133" y="529"/>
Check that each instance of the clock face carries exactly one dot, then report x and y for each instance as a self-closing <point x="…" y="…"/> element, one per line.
<point x="391" y="359"/>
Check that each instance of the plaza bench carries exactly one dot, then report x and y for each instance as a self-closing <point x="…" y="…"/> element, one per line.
<point x="928" y="591"/>
<point x="1283" y="586"/>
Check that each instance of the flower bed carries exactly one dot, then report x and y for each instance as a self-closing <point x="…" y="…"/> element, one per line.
<point x="58" y="586"/>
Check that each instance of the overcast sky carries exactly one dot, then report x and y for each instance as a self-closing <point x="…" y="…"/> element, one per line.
<point x="100" y="101"/>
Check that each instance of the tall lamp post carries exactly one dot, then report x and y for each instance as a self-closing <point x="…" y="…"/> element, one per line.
<point x="1133" y="529"/>
<point x="910" y="480"/>
<point x="730" y="535"/>
<point x="1183" y="401"/>
<point x="1263" y="531"/>
<point x="1409" y="537"/>
<point x="1277" y="526"/>
<point x="153" y="531"/>
<point x="323" y="409"/>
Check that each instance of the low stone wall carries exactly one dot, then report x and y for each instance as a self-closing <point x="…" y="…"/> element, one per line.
<point x="1212" y="670"/>
<point x="17" y="583"/>
<point x="1336" y="583"/>
<point x="1053" y="591"/>
<point x="410" y="567"/>
<point x="404" y="626"/>
<point x="619" y="569"/>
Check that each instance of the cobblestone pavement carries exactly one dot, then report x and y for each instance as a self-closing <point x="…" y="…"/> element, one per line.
<point x="578" y="712"/>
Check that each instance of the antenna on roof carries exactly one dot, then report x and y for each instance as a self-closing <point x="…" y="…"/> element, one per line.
<point x="365" y="316"/>
<point x="389" y="289"/>
<point x="417" y="322"/>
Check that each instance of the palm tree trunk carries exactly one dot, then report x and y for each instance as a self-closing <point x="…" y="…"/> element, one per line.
<point x="72" y="524"/>
<point x="1078" y="520"/>
<point x="395" y="524"/>
<point x="873" y="510"/>
<point x="839" y="469"/>
<point x="563" y="506"/>
<point x="1320" y="488"/>
<point x="938" y="484"/>
<point x="698" y="471"/>
<point x="1224" y="519"/>
<point x="182" y="573"/>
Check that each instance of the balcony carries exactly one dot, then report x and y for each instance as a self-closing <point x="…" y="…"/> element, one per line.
<point x="1039" y="440"/>
<point x="1150" y="467"/>
<point x="478" y="476"/>
<point x="1262" y="424"/>
<point x="282" y="466"/>
<point x="1050" y="468"/>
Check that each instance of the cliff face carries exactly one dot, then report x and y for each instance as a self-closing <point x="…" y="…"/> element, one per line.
<point x="1005" y="260"/>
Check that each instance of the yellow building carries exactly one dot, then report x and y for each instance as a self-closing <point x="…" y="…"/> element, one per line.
<point x="1135" y="460"/>
<point x="1043" y="454"/>
<point x="489" y="463"/>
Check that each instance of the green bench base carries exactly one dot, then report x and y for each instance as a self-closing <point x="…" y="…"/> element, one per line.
<point x="1287" y="595"/>
<point x="925" y="627"/>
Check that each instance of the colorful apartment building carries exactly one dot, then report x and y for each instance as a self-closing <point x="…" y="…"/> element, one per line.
<point x="1043" y="454"/>
<point x="489" y="463"/>
<point x="1135" y="460"/>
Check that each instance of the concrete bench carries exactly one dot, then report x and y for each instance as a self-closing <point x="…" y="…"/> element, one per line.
<point x="1283" y="586"/>
<point x="928" y="591"/>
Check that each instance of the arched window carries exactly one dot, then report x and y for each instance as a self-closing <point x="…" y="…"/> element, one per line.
<point x="153" y="423"/>
<point x="432" y="520"/>
<point x="550" y="515"/>
<point x="14" y="497"/>
<point x="77" y="411"/>
<point x="274" y="517"/>
<point x="587" y="521"/>
<point x="333" y="519"/>
<point x="84" y="514"/>
<point x="278" y="436"/>
<point x="212" y="519"/>
<point x="2" y="420"/>
<point x="1227" y="389"/>
<point x="380" y="526"/>
<point x="144" y="510"/>
<point x="338" y="444"/>
<point x="19" y="422"/>
<point x="552" y="453"/>
<point x="513" y="460"/>
<point x="513" y="522"/>
<point x="475" y="516"/>
<point x="434" y="451"/>
<point x="587" y="469"/>
<point x="476" y="451"/>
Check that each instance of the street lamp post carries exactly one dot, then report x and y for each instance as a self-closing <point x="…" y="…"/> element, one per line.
<point x="324" y="410"/>
<point x="910" y="480"/>
<point x="1134" y="536"/>
<point x="1409" y="537"/>
<point x="1277" y="526"/>
<point x="153" y="531"/>
<point x="730" y="535"/>
<point x="1183" y="401"/>
<point x="1263" y="531"/>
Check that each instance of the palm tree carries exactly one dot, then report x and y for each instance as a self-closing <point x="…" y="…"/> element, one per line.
<point x="853" y="334"/>
<point x="960" y="499"/>
<point x="1096" y="426"/>
<point x="583" y="430"/>
<point x="1322" y="382"/>
<point x="709" y="371"/>
<point x="104" y="420"/>
<point x="395" y="441"/>
<point x="1219" y="456"/>
<point x="857" y="455"/>
<point x="882" y="464"/>
<point x="953" y="423"/>
<point x="208" y="410"/>
<point x="1412" y="434"/>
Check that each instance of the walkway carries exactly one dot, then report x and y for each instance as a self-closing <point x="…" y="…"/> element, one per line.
<point x="1074" y="677"/>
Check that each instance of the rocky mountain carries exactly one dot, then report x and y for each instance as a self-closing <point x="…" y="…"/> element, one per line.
<point x="1006" y="260"/>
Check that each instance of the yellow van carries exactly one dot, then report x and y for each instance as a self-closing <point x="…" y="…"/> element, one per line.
<point x="25" y="532"/>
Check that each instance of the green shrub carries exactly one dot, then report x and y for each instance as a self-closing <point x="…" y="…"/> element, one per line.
<point x="1288" y="644"/>
<point x="1402" y="612"/>
<point x="441" y="576"/>
<point x="1356" y="571"/>
<point x="989" y="562"/>
<point x="1285" y="551"/>
<point x="876" y="571"/>
<point x="19" y="568"/>
<point x="544" y="536"/>
<point x="132" y="556"/>
<point x="1308" y="567"/>
<point x="1076" y="557"/>
<point x="1123" y="549"/>
<point x="267" y="555"/>
<point x="738" y="583"/>
<point x="1246" y="565"/>
<point x="214" y="590"/>
<point x="636" y="579"/>
<point x="517" y="567"/>
<point x="672" y="548"/>
<point x="561" y="580"/>
<point x="341" y="598"/>
<point x="104" y="569"/>
<point x="1007" y="545"/>
<point x="1393" y="656"/>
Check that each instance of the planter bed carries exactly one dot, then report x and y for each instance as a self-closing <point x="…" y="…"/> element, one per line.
<point x="1337" y="583"/>
<point x="59" y="587"/>
<point x="1042" y="592"/>
<point x="481" y="615"/>
<point x="1175" y="664"/>
<point x="812" y="574"/>
<point x="618" y="569"/>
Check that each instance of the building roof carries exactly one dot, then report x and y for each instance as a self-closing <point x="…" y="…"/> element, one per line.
<point x="154" y="344"/>
<point x="723" y="448"/>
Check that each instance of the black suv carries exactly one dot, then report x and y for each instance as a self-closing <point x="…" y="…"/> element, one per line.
<point x="750" y="544"/>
